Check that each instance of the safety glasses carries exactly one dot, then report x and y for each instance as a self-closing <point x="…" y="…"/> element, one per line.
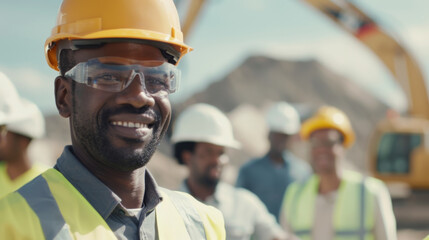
<point x="324" y="144"/>
<point x="114" y="74"/>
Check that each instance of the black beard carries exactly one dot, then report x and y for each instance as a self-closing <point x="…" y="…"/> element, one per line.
<point x="91" y="133"/>
<point x="206" y="181"/>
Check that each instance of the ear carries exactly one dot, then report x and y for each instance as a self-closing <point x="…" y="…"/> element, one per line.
<point x="63" y="96"/>
<point x="186" y="157"/>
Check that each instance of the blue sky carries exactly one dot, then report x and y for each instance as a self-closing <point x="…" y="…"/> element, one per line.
<point x="226" y="33"/>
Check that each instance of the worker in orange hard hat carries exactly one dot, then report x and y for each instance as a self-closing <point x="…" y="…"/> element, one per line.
<point x="117" y="63"/>
<point x="335" y="203"/>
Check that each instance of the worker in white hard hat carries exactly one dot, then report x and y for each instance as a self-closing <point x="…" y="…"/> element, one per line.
<point x="269" y="176"/>
<point x="335" y="203"/>
<point x="201" y="136"/>
<point x="16" y="167"/>
<point x="24" y="123"/>
<point x="117" y="64"/>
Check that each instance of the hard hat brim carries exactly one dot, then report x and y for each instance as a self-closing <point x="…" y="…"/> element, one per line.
<point x="216" y="141"/>
<point x="51" y="50"/>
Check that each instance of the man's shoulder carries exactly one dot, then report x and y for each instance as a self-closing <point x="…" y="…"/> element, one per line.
<point x="254" y="163"/>
<point x="182" y="198"/>
<point x="210" y="217"/>
<point x="239" y="194"/>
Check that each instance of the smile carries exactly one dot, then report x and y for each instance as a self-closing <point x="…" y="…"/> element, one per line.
<point x="130" y="124"/>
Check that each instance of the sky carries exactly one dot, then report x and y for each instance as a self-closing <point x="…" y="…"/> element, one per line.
<point x="224" y="35"/>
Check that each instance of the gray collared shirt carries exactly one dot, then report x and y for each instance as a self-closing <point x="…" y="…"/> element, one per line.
<point x="123" y="222"/>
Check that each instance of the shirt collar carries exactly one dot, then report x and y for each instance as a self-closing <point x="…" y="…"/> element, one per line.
<point x="286" y="156"/>
<point x="94" y="191"/>
<point x="215" y="198"/>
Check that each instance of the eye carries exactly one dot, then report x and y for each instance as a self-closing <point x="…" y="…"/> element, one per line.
<point x="157" y="83"/>
<point x="106" y="79"/>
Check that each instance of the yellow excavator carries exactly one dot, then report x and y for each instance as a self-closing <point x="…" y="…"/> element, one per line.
<point x="399" y="147"/>
<point x="398" y="152"/>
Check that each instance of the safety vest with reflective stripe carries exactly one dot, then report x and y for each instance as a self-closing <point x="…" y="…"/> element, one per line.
<point x="49" y="207"/>
<point x="353" y="216"/>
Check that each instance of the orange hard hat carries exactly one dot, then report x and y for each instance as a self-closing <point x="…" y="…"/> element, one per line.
<point x="328" y="117"/>
<point x="152" y="20"/>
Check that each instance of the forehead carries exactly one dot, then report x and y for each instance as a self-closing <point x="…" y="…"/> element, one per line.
<point x="120" y="49"/>
<point x="326" y="135"/>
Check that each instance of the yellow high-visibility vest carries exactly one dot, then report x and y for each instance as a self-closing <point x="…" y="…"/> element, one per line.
<point x="49" y="207"/>
<point x="353" y="216"/>
<point x="7" y="185"/>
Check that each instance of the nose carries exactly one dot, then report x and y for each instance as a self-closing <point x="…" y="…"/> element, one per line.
<point x="136" y="94"/>
<point x="222" y="159"/>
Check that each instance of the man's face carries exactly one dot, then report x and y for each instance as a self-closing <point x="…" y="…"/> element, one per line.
<point x="206" y="162"/>
<point x="9" y="147"/>
<point x="121" y="130"/>
<point x="278" y="141"/>
<point x="326" y="150"/>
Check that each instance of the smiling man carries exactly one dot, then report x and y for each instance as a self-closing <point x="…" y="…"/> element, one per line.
<point x="118" y="64"/>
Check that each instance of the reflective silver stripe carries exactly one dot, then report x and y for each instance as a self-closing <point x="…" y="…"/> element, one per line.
<point x="353" y="232"/>
<point x="191" y="217"/>
<point x="40" y="199"/>
<point x="302" y="232"/>
<point x="362" y="231"/>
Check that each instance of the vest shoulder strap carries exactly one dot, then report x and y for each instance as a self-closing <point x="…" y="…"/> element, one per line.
<point x="62" y="211"/>
<point x="201" y="221"/>
<point x="40" y="199"/>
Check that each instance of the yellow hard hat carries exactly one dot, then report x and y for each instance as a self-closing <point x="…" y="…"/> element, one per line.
<point x="328" y="117"/>
<point x="153" y="20"/>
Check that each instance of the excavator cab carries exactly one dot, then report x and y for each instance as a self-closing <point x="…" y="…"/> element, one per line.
<point x="399" y="152"/>
<point x="399" y="147"/>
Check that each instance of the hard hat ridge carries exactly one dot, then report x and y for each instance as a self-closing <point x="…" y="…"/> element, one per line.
<point x="283" y="118"/>
<point x="204" y="123"/>
<point x="32" y="124"/>
<point x="9" y="101"/>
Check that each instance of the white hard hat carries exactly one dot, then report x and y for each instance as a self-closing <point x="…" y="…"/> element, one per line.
<point x="283" y="118"/>
<point x="32" y="124"/>
<point x="204" y="123"/>
<point x="9" y="101"/>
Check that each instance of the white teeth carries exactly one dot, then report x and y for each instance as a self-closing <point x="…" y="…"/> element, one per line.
<point x="129" y="124"/>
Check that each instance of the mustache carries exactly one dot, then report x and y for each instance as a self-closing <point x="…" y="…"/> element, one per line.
<point x="130" y="109"/>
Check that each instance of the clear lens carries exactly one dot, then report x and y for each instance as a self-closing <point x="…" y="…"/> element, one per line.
<point x="114" y="74"/>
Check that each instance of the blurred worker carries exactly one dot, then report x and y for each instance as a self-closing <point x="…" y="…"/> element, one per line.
<point x="117" y="62"/>
<point x="269" y="176"/>
<point x="201" y="135"/>
<point x="16" y="168"/>
<point x="334" y="203"/>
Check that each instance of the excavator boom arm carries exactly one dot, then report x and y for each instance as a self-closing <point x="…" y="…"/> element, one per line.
<point x="387" y="48"/>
